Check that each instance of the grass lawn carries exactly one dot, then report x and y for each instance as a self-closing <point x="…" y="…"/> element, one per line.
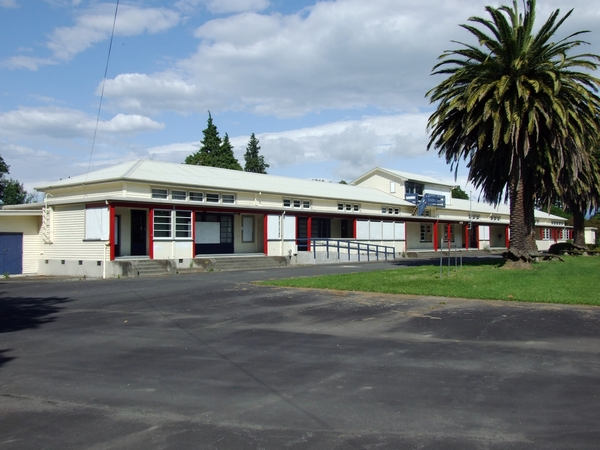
<point x="575" y="281"/>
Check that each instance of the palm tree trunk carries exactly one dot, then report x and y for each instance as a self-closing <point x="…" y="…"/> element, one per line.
<point x="522" y="220"/>
<point x="579" y="228"/>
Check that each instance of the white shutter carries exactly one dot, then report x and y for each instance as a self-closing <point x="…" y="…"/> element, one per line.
<point x="273" y="227"/>
<point x="97" y="223"/>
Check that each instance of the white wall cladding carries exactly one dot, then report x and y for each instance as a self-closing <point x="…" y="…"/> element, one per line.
<point x="379" y="230"/>
<point x="89" y="194"/>
<point x="68" y="237"/>
<point x="29" y="226"/>
<point x="136" y="190"/>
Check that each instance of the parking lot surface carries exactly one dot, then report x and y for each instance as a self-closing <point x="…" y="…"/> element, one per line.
<point x="212" y="361"/>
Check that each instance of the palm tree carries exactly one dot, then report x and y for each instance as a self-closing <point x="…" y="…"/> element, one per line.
<point x="517" y="109"/>
<point x="583" y="195"/>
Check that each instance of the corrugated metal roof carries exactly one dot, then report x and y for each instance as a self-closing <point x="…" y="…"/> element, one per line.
<point x="211" y="178"/>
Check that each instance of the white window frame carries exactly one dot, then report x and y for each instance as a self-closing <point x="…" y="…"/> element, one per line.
<point x="546" y="234"/>
<point x="165" y="218"/>
<point x="228" y="198"/>
<point x="212" y="197"/>
<point x="183" y="224"/>
<point x="176" y="194"/>
<point x="160" y="193"/>
<point x="199" y="196"/>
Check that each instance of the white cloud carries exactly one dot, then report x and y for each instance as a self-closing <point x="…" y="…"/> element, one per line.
<point x="143" y="93"/>
<point x="95" y="25"/>
<point x="222" y="6"/>
<point x="347" y="54"/>
<point x="9" y="4"/>
<point x="236" y="6"/>
<point x="64" y="123"/>
<point x="26" y="62"/>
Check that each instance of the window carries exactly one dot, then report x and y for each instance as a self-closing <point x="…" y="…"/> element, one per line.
<point x="178" y="195"/>
<point x="160" y="193"/>
<point x="196" y="196"/>
<point x="162" y="224"/>
<point x="546" y="234"/>
<point x="212" y="198"/>
<point x="356" y="207"/>
<point x="183" y="224"/>
<point x="228" y="198"/>
<point x="383" y="209"/>
<point x="347" y="207"/>
<point x="396" y="211"/>
<point x="426" y="233"/>
<point x="247" y="229"/>
<point x="414" y="188"/>
<point x="289" y="203"/>
<point x="565" y="234"/>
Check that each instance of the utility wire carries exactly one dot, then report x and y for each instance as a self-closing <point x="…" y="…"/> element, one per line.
<point x="112" y="34"/>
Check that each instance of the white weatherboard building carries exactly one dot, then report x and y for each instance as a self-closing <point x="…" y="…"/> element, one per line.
<point x="89" y="224"/>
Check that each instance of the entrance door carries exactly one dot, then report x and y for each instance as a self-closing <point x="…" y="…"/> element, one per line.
<point x="117" y="235"/>
<point x="139" y="232"/>
<point x="302" y="234"/>
<point x="473" y="237"/>
<point x="214" y="234"/>
<point x="11" y="253"/>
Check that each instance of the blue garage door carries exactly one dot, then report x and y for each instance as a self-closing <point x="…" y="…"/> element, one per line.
<point x="11" y="253"/>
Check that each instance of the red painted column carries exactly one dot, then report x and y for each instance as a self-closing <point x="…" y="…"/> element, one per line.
<point x="354" y="228"/>
<point x="448" y="234"/>
<point x="151" y="233"/>
<point x="435" y="235"/>
<point x="111" y="231"/>
<point x="507" y="236"/>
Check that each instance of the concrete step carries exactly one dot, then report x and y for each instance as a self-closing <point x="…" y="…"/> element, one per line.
<point x="241" y="263"/>
<point x="149" y="268"/>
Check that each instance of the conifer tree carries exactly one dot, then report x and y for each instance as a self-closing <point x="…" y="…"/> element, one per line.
<point x="254" y="162"/>
<point x="214" y="151"/>
<point x="225" y="158"/>
<point x="211" y="143"/>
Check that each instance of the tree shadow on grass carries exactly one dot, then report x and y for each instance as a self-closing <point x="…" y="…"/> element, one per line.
<point x="466" y="261"/>
<point x="21" y="313"/>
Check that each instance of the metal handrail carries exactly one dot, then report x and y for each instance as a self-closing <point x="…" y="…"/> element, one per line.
<point x="347" y="246"/>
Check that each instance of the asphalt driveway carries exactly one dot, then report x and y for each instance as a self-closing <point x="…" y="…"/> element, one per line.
<point x="211" y="361"/>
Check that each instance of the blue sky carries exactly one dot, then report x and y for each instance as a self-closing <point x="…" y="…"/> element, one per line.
<point x="331" y="88"/>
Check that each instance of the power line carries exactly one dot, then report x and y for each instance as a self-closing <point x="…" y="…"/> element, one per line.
<point x="112" y="34"/>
